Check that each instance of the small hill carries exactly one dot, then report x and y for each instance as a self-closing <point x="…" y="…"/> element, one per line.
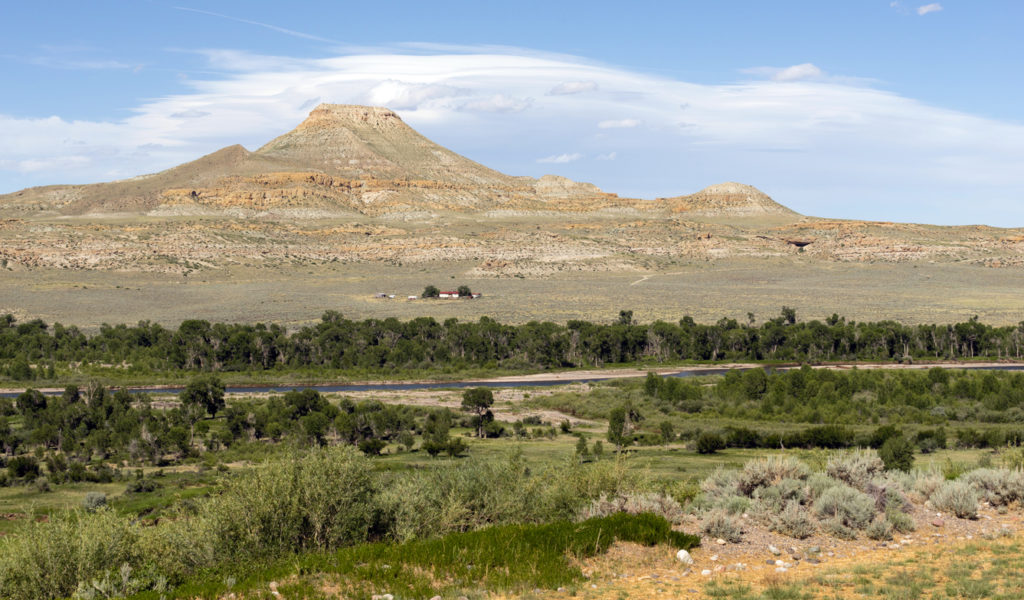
<point x="728" y="199"/>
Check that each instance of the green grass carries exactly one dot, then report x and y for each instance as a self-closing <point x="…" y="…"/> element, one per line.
<point x="510" y="557"/>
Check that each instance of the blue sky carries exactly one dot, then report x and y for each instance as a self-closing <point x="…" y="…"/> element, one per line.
<point x="870" y="109"/>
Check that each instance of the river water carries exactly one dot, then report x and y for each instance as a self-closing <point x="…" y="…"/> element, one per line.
<point x="435" y="385"/>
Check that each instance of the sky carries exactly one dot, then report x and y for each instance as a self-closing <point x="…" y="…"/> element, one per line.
<point x="866" y="109"/>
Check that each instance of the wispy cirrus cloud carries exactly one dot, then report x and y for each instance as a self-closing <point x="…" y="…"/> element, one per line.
<point x="851" y="150"/>
<point x="929" y="8"/>
<point x="269" y="26"/>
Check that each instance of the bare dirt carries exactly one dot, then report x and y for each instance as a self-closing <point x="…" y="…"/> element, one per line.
<point x="633" y="571"/>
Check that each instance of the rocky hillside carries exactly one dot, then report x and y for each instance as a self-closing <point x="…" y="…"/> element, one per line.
<point x="355" y="184"/>
<point x="340" y="159"/>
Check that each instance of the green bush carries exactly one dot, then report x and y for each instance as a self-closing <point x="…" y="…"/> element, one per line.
<point x="817" y="483"/>
<point x="662" y="505"/>
<point x="794" y="521"/>
<point x="709" y="443"/>
<point x="957" y="497"/>
<point x="880" y="529"/>
<point x="322" y="500"/>
<point x="998" y="487"/>
<point x="845" y="505"/>
<point x="722" y="483"/>
<point x="719" y="524"/>
<point x="897" y="453"/>
<point x="50" y="559"/>
<point x="478" y="492"/>
<point x="764" y="472"/>
<point x="94" y="501"/>
<point x="901" y="521"/>
<point x="855" y="469"/>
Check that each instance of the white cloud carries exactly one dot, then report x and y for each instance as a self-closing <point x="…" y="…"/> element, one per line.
<point x="619" y="124"/>
<point x="190" y="114"/>
<point x="498" y="103"/>
<point x="561" y="159"/>
<point x="399" y="95"/>
<point x="573" y="87"/>
<point x="608" y="156"/>
<point x="929" y="8"/>
<point x="849" y="150"/>
<point x="800" y="72"/>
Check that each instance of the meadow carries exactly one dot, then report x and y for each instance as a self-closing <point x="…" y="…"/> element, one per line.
<point x="195" y="492"/>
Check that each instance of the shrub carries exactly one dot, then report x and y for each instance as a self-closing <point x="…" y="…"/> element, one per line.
<point x="794" y="521"/>
<point x="721" y="483"/>
<point x="998" y="487"/>
<point x="476" y="493"/>
<point x="775" y="497"/>
<point x="49" y="560"/>
<point x="735" y="505"/>
<point x="839" y="530"/>
<point x="42" y="484"/>
<point x="26" y="467"/>
<point x="897" y="453"/>
<point x="321" y="500"/>
<point x="956" y="497"/>
<point x="882" y="434"/>
<point x="901" y="521"/>
<point x="94" y="501"/>
<point x="856" y="468"/>
<point x="633" y="503"/>
<point x="709" y="443"/>
<point x="926" y="482"/>
<point x="718" y="524"/>
<point x="880" y="529"/>
<point x="817" y="483"/>
<point x="763" y="472"/>
<point x="142" y="486"/>
<point x="851" y="508"/>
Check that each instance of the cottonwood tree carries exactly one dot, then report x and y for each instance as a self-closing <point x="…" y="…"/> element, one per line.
<point x="479" y="401"/>
<point x="206" y="393"/>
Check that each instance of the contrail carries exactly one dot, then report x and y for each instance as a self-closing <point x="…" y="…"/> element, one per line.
<point x="258" y="24"/>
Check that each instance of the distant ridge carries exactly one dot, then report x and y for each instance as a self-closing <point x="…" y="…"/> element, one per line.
<point x="367" y="160"/>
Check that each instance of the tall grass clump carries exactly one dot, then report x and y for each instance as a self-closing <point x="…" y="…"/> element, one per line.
<point x="957" y="497"/>
<point x="50" y="559"/>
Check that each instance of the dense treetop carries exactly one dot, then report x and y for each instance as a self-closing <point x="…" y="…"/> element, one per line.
<point x="336" y="342"/>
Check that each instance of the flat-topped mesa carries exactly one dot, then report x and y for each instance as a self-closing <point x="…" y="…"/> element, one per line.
<point x="347" y="115"/>
<point x="728" y="198"/>
<point x="370" y="142"/>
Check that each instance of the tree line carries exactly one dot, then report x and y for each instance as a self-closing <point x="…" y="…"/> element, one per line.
<point x="30" y="349"/>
